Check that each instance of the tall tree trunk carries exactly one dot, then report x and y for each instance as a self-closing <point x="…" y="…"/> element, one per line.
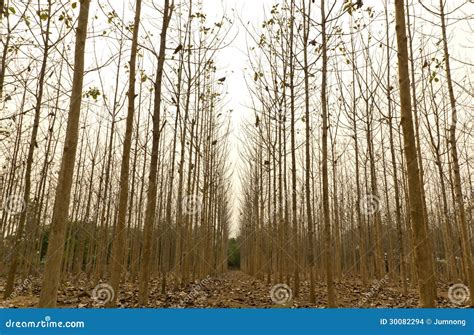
<point x="25" y="214"/>
<point x="465" y="241"/>
<point x="151" y="193"/>
<point x="52" y="270"/>
<point x="326" y="213"/>
<point x="420" y="234"/>
<point x="294" y="211"/>
<point x="396" y="187"/>
<point x="431" y="261"/>
<point x="119" y="233"/>
<point x="309" y="214"/>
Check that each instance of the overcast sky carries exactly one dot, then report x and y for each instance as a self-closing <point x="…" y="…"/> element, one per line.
<point x="233" y="60"/>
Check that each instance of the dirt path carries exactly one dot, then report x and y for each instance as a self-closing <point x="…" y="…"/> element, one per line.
<point x="236" y="289"/>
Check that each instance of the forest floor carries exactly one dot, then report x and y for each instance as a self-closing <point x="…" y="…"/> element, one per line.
<point x="233" y="289"/>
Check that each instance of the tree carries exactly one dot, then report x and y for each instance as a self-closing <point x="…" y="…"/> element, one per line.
<point x="29" y="161"/>
<point x="420" y="235"/>
<point x="55" y="251"/>
<point x="294" y="211"/>
<point x="119" y="240"/>
<point x="465" y="245"/>
<point x="152" y="188"/>
<point x="309" y="213"/>
<point x="398" y="217"/>
<point x="325" y="173"/>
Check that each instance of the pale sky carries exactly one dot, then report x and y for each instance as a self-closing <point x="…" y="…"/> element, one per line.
<point x="233" y="60"/>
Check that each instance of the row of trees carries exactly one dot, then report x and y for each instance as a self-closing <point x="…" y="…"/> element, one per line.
<point x="114" y="138"/>
<point x="348" y="172"/>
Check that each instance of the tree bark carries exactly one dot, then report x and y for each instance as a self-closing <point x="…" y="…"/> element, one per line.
<point x="465" y="244"/>
<point x="152" y="187"/>
<point x="24" y="215"/>
<point x="52" y="270"/>
<point x="325" y="125"/>
<point x="119" y="233"/>
<point x="420" y="235"/>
